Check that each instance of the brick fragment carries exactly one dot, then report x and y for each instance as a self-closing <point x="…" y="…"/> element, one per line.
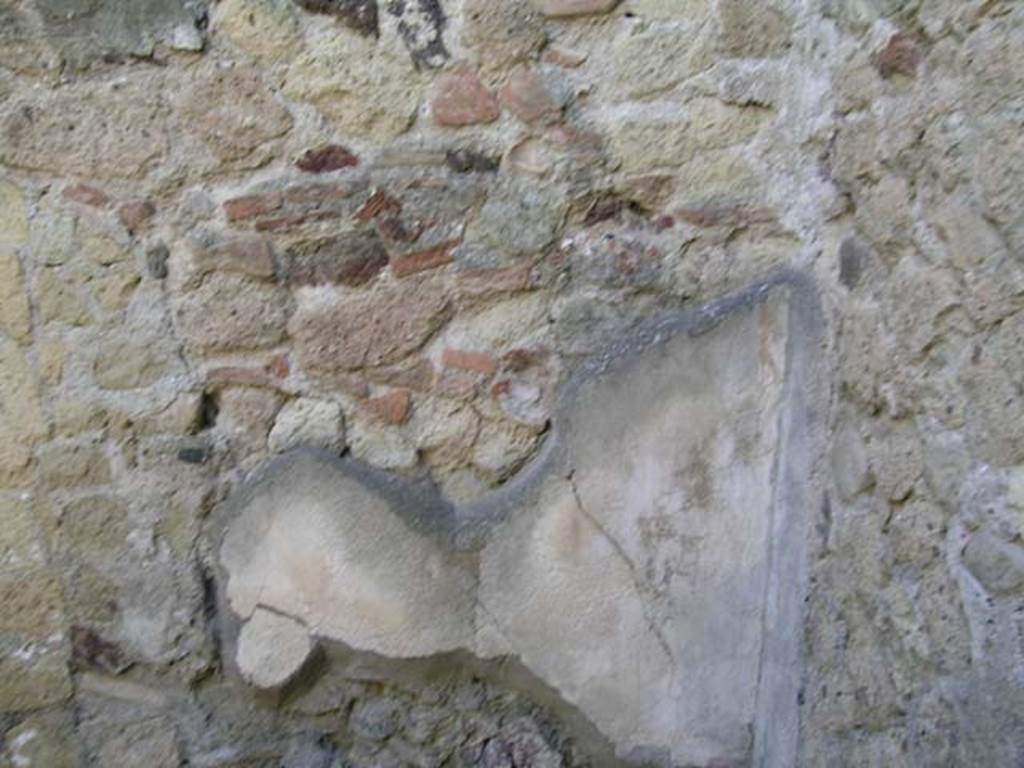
<point x="527" y="97"/>
<point x="331" y="157"/>
<point x="251" y="206"/>
<point x="391" y="408"/>
<point x="465" y="360"/>
<point x="135" y="216"/>
<point x="460" y="99"/>
<point x="421" y="261"/>
<point x="380" y="202"/>
<point x="900" y="56"/>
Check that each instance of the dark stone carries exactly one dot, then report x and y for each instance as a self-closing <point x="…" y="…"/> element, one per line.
<point x="376" y="719"/>
<point x="156" y="261"/>
<point x="470" y="161"/>
<point x="331" y="157"/>
<point x="193" y="455"/>
<point x="111" y="30"/>
<point x="90" y="651"/>
<point x="309" y="750"/>
<point x="350" y="259"/>
<point x="358" y="15"/>
<point x="421" y="24"/>
<point x="852" y="256"/>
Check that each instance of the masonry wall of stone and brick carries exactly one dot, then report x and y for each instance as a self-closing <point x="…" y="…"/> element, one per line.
<point x="394" y="228"/>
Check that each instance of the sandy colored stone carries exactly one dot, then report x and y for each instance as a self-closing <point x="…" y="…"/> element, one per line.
<point x="651" y="59"/>
<point x="643" y="144"/>
<point x="359" y="86"/>
<point x="751" y="29"/>
<point x="43" y="740"/>
<point x="128" y="364"/>
<point x="21" y="420"/>
<point x="50" y="359"/>
<point x="15" y="317"/>
<point x="503" y="33"/>
<point x="58" y="300"/>
<point x="267" y="30"/>
<point x="73" y="416"/>
<point x="73" y="466"/>
<point x="114" y="290"/>
<point x="13" y="215"/>
<point x="719" y="175"/>
<point x="33" y="602"/>
<point x="21" y="542"/>
<point x="33" y="671"/>
<point x="272" y="649"/>
<point x="103" y="250"/>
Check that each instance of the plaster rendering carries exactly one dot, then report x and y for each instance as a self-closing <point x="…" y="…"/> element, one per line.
<point x="629" y="566"/>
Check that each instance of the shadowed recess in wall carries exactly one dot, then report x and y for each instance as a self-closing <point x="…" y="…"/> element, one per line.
<point x="647" y="566"/>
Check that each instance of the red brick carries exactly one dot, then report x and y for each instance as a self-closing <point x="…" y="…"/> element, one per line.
<point x="251" y="206"/>
<point x="423" y="260"/>
<point x="464" y="360"/>
<point x="379" y="202"/>
<point x="86" y="195"/>
<point x="391" y="408"/>
<point x="459" y="99"/>
<point x="331" y="157"/>
<point x="135" y="216"/>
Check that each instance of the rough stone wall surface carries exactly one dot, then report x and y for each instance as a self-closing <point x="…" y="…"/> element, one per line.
<point x="397" y="230"/>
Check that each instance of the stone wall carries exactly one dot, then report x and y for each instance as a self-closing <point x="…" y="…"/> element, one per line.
<point x="428" y="274"/>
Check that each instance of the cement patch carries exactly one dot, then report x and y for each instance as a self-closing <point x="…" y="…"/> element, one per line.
<point x="648" y="565"/>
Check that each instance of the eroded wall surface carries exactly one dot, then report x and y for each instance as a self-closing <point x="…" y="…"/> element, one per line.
<point x="403" y="248"/>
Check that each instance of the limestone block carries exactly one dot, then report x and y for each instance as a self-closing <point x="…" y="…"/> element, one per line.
<point x="308" y="421"/>
<point x="272" y="649"/>
<point x="361" y="87"/>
